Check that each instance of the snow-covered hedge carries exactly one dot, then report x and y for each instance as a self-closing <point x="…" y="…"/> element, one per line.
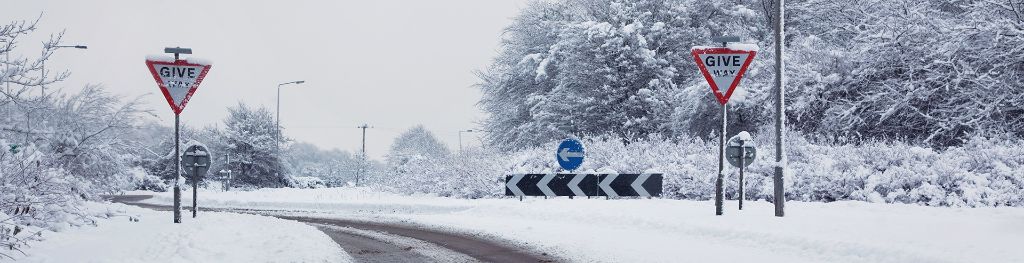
<point x="983" y="172"/>
<point x="34" y="197"/>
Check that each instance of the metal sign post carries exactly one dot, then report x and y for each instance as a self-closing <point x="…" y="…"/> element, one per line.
<point x="178" y="80"/>
<point x="196" y="160"/>
<point x="780" y="107"/>
<point x="741" y="153"/>
<point x="723" y="67"/>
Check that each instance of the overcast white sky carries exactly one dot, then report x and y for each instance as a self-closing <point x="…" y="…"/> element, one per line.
<point x="391" y="64"/>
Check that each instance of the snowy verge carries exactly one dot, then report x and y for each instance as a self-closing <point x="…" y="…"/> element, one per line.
<point x="660" y="230"/>
<point x="212" y="237"/>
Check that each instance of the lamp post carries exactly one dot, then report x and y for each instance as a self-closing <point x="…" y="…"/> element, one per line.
<point x="279" y="112"/>
<point x="42" y="68"/>
<point x="460" y="139"/>
<point x="42" y="86"/>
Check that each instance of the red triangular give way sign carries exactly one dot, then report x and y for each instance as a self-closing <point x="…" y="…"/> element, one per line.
<point x="723" y="67"/>
<point x="178" y="79"/>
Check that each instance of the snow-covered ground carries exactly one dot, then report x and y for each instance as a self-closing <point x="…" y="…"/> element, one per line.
<point x="657" y="230"/>
<point x="212" y="237"/>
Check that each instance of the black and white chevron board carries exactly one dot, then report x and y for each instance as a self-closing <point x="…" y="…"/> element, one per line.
<point x="611" y="185"/>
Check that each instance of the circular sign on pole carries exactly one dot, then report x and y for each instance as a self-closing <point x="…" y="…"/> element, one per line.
<point x="195" y="162"/>
<point x="569" y="154"/>
<point x="740" y="145"/>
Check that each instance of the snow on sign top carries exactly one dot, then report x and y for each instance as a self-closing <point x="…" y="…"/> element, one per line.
<point x="178" y="79"/>
<point x="723" y="67"/>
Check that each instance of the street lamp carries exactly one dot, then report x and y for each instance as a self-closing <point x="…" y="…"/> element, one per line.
<point x="279" y="112"/>
<point x="42" y="83"/>
<point x="42" y="67"/>
<point x="460" y="139"/>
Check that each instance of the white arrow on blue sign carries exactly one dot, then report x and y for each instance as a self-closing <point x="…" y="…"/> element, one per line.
<point x="570" y="154"/>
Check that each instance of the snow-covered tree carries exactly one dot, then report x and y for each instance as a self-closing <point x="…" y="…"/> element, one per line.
<point x="611" y="67"/>
<point x="333" y="167"/>
<point x="251" y="139"/>
<point x="928" y="72"/>
<point x="58" y="148"/>
<point x="415" y="143"/>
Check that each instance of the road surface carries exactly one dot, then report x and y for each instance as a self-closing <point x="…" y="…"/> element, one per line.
<point x="381" y="242"/>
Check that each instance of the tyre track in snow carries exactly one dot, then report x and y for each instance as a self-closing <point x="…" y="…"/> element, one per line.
<point x="380" y="242"/>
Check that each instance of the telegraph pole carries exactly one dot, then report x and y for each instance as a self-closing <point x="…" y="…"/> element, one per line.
<point x="780" y="110"/>
<point x="362" y="165"/>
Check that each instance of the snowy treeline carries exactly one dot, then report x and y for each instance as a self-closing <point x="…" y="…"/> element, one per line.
<point x="247" y="146"/>
<point x="931" y="72"/>
<point x="58" y="148"/>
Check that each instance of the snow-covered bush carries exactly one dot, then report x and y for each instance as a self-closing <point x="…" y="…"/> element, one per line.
<point x="472" y="173"/>
<point x="307" y="182"/>
<point x="35" y="197"/>
<point x="59" y="149"/>
<point x="142" y="180"/>
<point x="983" y="172"/>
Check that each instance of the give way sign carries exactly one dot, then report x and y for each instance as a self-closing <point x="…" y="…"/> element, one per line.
<point x="178" y="79"/>
<point x="723" y="67"/>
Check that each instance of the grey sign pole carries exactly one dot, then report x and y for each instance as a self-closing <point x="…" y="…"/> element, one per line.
<point x="227" y="162"/>
<point x="721" y="164"/>
<point x="195" y="194"/>
<point x="177" y="167"/>
<point x="743" y="154"/>
<point x="177" y="143"/>
<point x="780" y="111"/>
<point x="197" y="161"/>
<point x="720" y="181"/>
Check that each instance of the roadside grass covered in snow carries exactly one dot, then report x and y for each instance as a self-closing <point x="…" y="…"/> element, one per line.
<point x="131" y="234"/>
<point x="665" y="230"/>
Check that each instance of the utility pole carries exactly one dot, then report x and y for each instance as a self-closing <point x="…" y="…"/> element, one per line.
<point x="780" y="110"/>
<point x="362" y="165"/>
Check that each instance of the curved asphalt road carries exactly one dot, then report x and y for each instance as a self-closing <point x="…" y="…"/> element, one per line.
<point x="363" y="247"/>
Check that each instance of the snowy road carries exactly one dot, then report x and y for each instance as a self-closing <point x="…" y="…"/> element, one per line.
<point x="380" y="242"/>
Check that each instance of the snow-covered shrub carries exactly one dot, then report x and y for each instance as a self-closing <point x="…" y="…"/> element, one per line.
<point x="307" y="182"/>
<point x="983" y="172"/>
<point x="142" y="180"/>
<point x="35" y="197"/>
<point x="472" y="173"/>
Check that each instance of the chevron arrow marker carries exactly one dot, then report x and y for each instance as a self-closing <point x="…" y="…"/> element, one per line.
<point x="543" y="184"/>
<point x="512" y="185"/>
<point x="638" y="185"/>
<point x="574" y="184"/>
<point x="606" y="185"/>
